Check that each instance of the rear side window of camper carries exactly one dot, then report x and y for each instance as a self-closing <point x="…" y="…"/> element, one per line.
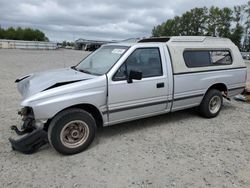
<point x="203" y="58"/>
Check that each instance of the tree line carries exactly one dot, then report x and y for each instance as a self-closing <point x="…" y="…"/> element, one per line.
<point x="22" y="34"/>
<point x="219" y="22"/>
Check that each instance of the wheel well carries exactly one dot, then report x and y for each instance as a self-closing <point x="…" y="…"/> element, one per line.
<point x="88" y="108"/>
<point x="219" y="86"/>
<point x="93" y="111"/>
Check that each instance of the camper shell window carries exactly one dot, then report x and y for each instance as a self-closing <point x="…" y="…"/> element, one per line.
<point x="204" y="58"/>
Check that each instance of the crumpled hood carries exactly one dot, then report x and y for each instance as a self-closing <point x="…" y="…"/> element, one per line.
<point x="40" y="81"/>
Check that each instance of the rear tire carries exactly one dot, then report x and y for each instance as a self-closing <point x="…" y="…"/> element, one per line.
<point x="211" y="104"/>
<point x="71" y="131"/>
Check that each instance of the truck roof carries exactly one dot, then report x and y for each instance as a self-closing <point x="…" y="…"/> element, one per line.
<point x="181" y="40"/>
<point x="184" y="39"/>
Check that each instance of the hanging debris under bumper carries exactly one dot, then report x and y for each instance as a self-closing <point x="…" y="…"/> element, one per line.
<point x="35" y="136"/>
<point x="31" y="142"/>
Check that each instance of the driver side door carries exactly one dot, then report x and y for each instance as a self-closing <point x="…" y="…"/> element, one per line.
<point x="127" y="101"/>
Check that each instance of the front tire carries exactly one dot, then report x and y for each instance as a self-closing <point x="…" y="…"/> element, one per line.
<point x="211" y="104"/>
<point x="71" y="131"/>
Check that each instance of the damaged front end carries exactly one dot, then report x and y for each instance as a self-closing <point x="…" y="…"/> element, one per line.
<point x="39" y="93"/>
<point x="34" y="138"/>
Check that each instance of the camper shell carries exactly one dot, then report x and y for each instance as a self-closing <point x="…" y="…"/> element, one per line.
<point x="178" y="45"/>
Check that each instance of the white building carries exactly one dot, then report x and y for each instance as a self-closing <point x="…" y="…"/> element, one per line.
<point x="33" y="45"/>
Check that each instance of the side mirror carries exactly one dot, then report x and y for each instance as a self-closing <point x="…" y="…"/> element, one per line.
<point x="134" y="75"/>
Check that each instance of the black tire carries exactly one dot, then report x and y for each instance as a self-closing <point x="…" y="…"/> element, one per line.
<point x="206" y="108"/>
<point x="77" y="122"/>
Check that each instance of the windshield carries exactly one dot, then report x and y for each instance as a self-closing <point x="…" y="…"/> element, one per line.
<point x="100" y="61"/>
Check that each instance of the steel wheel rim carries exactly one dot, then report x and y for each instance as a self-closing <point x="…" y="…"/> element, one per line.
<point x="214" y="104"/>
<point x="74" y="134"/>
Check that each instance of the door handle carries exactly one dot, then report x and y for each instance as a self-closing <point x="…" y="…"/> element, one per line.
<point x="160" y="85"/>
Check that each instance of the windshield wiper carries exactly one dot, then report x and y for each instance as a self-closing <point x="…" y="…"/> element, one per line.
<point x="84" y="71"/>
<point x="81" y="70"/>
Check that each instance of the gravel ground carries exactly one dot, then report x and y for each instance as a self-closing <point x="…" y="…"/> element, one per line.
<point x="179" y="149"/>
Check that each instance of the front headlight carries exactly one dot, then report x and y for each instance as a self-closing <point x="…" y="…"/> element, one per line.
<point x="26" y="111"/>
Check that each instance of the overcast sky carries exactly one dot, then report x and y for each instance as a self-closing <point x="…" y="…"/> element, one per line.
<point x="97" y="19"/>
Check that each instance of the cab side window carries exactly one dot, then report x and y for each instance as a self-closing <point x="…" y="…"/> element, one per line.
<point x="145" y="60"/>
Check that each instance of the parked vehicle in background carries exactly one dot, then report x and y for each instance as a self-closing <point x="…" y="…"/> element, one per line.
<point x="245" y="55"/>
<point x="121" y="82"/>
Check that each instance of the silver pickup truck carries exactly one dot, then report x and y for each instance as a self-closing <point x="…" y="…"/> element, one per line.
<point x="122" y="82"/>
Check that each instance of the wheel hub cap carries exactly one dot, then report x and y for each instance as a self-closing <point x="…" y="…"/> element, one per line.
<point x="215" y="104"/>
<point x="74" y="133"/>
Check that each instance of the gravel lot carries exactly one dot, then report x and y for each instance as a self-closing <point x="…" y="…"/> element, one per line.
<point x="174" y="150"/>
